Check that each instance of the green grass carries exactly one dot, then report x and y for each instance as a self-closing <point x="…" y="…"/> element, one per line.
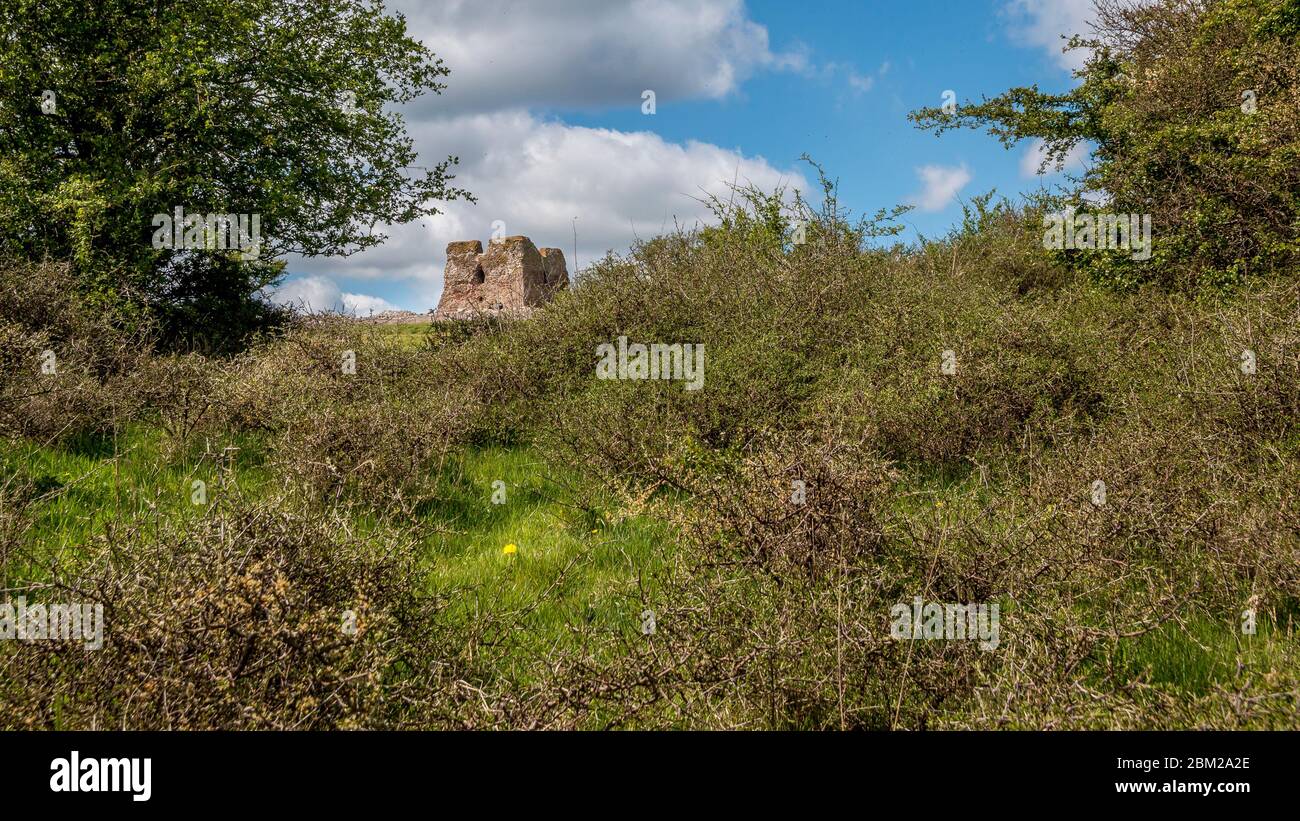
<point x="410" y="334"/>
<point x="1194" y="658"/>
<point x="572" y="565"/>
<point x="81" y="486"/>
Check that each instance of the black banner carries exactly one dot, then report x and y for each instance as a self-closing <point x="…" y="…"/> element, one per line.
<point x="146" y="772"/>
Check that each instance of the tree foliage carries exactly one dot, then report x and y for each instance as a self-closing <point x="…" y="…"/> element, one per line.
<point x="281" y="108"/>
<point x="1192" y="108"/>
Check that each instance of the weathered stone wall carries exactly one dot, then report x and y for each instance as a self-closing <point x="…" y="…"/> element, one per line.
<point x="511" y="276"/>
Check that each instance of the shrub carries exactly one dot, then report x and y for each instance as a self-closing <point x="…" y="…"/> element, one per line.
<point x="65" y="367"/>
<point x="349" y="415"/>
<point x="255" y="616"/>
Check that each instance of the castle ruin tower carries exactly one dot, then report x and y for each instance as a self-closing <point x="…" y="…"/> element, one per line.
<point x="511" y="277"/>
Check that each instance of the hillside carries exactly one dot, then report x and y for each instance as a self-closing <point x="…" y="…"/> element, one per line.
<point x="342" y="527"/>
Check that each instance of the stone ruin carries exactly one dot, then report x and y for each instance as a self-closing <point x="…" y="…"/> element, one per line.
<point x="512" y="277"/>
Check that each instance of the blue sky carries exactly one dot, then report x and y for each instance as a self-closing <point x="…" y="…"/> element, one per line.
<point x="544" y="108"/>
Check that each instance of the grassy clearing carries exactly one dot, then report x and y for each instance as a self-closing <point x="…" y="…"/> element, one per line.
<point x="82" y="486"/>
<point x="569" y="565"/>
<point x="410" y="334"/>
<point x="1194" y="658"/>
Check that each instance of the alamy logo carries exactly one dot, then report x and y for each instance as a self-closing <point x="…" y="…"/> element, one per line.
<point x="1098" y="232"/>
<point x="52" y="622"/>
<point x="77" y="774"/>
<point x="213" y="232"/>
<point x="681" y="362"/>
<point x="946" y="621"/>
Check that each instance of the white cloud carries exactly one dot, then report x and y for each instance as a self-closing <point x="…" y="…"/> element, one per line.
<point x="364" y="304"/>
<point x="511" y="60"/>
<point x="590" y="52"/>
<point x="1042" y="23"/>
<point x="536" y="175"/>
<point x="1034" y="155"/>
<point x="861" y="82"/>
<point x="941" y="185"/>
<point x="320" y="293"/>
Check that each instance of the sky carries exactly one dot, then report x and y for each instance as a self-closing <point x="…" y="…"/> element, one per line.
<point x="545" y="108"/>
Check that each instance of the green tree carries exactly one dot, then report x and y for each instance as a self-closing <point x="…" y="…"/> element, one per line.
<point x="116" y="111"/>
<point x="1191" y="107"/>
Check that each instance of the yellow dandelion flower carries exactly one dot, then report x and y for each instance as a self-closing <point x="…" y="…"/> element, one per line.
<point x="510" y="549"/>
